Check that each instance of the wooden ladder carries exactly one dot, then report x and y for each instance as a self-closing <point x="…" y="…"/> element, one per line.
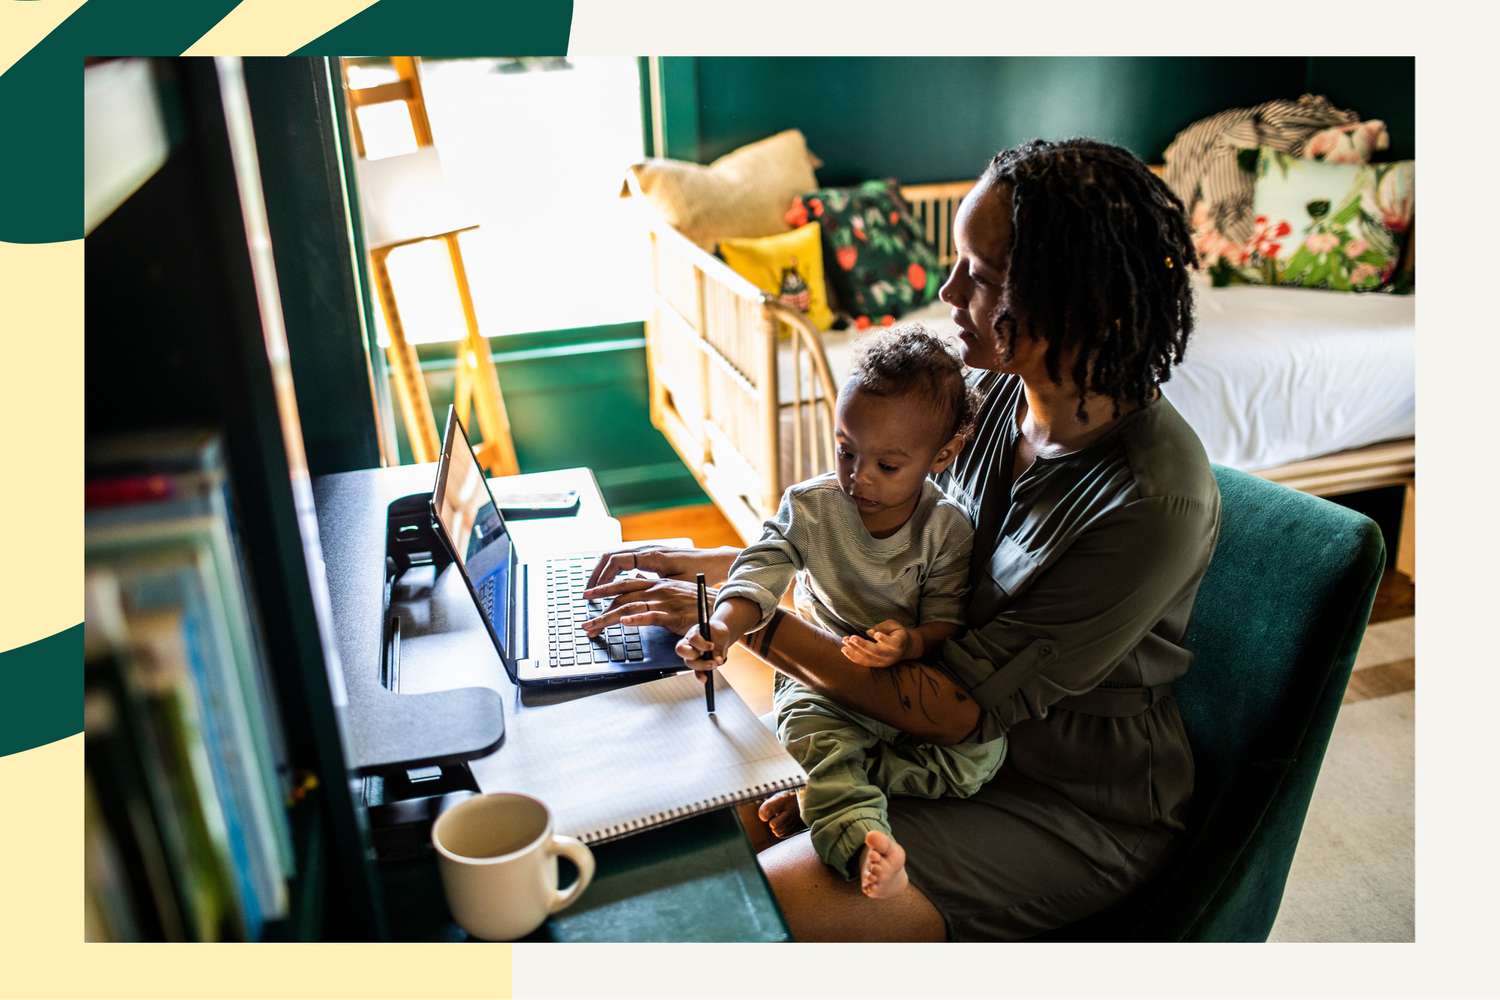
<point x="476" y="383"/>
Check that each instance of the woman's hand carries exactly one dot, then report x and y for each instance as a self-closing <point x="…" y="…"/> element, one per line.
<point x="892" y="643"/>
<point x="672" y="604"/>
<point x="675" y="564"/>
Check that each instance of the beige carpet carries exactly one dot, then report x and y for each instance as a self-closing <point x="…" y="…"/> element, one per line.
<point x="1353" y="877"/>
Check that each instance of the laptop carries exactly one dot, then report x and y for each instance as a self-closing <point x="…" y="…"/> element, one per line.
<point x="533" y="609"/>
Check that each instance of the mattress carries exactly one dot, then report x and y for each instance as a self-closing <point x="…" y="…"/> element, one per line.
<point x="1277" y="375"/>
<point x="1271" y="375"/>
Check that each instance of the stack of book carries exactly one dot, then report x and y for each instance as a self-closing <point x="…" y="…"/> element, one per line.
<point x="186" y="826"/>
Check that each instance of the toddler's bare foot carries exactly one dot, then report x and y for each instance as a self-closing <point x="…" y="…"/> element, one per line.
<point x="882" y="871"/>
<point x="780" y="812"/>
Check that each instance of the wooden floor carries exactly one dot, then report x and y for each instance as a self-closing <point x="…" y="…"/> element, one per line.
<point x="702" y="523"/>
<point x="751" y="678"/>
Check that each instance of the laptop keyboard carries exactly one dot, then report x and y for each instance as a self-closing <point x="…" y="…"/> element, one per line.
<point x="567" y="645"/>
<point x="487" y="598"/>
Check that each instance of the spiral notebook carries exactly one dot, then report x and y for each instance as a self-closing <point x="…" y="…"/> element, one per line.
<point x="612" y="764"/>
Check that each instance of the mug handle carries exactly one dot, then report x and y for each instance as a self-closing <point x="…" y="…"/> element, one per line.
<point x="578" y="853"/>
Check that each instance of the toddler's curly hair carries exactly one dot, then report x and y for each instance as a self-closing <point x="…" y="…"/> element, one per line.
<point x="908" y="360"/>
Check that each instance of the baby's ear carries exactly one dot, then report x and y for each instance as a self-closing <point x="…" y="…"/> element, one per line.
<point x="947" y="453"/>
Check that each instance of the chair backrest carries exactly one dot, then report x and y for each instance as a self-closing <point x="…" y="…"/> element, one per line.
<point x="1274" y="632"/>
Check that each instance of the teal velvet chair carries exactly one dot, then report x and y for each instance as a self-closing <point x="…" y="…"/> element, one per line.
<point x="1274" y="631"/>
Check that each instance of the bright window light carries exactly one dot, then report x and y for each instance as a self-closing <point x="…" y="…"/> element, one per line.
<point x="538" y="149"/>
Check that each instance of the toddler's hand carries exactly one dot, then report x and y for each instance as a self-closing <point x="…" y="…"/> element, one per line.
<point x="892" y="643"/>
<point x="693" y="647"/>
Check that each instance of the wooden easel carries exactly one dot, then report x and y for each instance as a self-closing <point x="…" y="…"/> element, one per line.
<point x="476" y="383"/>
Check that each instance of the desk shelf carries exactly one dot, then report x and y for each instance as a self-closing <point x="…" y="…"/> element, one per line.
<point x="697" y="880"/>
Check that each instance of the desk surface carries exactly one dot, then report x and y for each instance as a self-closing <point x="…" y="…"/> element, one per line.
<point x="697" y="880"/>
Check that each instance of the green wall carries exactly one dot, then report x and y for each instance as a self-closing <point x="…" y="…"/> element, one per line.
<point x="1383" y="87"/>
<point x="929" y="119"/>
<point x="578" y="397"/>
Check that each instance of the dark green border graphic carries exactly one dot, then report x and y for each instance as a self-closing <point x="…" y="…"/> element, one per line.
<point x="41" y="177"/>
<point x="395" y="27"/>
<point x="41" y="106"/>
<point x="41" y="96"/>
<point x="43" y="683"/>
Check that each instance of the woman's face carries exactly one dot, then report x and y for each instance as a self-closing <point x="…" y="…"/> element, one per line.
<point x="978" y="286"/>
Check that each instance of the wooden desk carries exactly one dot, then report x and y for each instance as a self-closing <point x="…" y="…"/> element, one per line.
<point x="697" y="880"/>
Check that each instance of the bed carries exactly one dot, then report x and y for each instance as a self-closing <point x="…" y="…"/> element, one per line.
<point x="1311" y="389"/>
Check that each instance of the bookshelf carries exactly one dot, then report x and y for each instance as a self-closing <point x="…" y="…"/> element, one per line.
<point x="184" y="336"/>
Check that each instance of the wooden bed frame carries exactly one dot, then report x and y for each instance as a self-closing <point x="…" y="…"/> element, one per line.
<point x="711" y="356"/>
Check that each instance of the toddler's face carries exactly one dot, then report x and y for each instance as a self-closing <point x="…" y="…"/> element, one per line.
<point x="886" y="447"/>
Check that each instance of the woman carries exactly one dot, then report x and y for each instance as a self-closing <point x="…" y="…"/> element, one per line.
<point x="1095" y="514"/>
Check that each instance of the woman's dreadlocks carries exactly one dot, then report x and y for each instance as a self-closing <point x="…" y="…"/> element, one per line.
<point x="1099" y="263"/>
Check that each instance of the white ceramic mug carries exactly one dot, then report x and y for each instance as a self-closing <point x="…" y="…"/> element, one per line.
<point x="498" y="858"/>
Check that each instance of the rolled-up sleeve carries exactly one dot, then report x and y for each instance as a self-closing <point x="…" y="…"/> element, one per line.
<point x="1079" y="618"/>
<point x="765" y="569"/>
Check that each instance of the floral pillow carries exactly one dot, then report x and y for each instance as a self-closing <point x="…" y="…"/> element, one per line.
<point x="1352" y="143"/>
<point x="1322" y="225"/>
<point x="877" y="263"/>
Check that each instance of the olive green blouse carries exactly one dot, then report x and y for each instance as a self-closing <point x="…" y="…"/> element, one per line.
<point x="1084" y="568"/>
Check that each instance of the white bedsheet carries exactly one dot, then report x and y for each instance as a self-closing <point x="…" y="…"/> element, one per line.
<point x="1277" y="375"/>
<point x="1272" y="375"/>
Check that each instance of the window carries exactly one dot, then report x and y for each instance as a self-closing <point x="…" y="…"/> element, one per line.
<point x="537" y="149"/>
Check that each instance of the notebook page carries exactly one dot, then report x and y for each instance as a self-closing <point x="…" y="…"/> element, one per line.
<point x="614" y="763"/>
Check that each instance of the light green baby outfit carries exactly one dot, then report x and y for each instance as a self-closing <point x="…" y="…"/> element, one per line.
<point x="848" y="581"/>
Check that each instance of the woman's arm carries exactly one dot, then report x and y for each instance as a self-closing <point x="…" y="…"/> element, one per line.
<point x="913" y="697"/>
<point x="675" y="564"/>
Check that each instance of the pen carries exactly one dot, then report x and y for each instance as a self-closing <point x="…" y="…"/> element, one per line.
<point x="708" y="686"/>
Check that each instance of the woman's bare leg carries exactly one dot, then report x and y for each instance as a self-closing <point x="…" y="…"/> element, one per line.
<point x="820" y="906"/>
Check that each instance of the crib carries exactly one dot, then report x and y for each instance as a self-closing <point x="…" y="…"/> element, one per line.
<point x="743" y="386"/>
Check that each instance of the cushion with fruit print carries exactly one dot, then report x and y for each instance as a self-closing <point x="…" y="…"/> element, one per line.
<point x="1324" y="225"/>
<point x="876" y="261"/>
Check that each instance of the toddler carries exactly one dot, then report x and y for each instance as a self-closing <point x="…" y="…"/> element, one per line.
<point x="880" y="557"/>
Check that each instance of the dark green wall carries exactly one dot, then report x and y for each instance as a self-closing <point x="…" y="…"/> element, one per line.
<point x="578" y="397"/>
<point x="321" y="299"/>
<point x="1383" y="87"/>
<point x="929" y="119"/>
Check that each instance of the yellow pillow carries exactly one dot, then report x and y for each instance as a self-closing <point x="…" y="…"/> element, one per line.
<point x="743" y="193"/>
<point x="789" y="266"/>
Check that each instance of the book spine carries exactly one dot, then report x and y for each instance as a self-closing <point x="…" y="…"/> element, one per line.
<point x="113" y="758"/>
<point x="158" y="683"/>
<point x="109" y="906"/>
<point x="252" y="881"/>
<point x="182" y="580"/>
<point x="200" y="517"/>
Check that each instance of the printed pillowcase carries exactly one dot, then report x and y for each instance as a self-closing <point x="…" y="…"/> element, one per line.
<point x="787" y="266"/>
<point x="1352" y="143"/>
<point x="1323" y="225"/>
<point x="877" y="262"/>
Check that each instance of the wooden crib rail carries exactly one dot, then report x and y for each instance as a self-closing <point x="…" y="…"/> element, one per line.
<point x="933" y="206"/>
<point x="807" y="418"/>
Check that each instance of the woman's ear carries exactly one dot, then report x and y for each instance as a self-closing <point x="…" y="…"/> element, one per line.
<point x="947" y="453"/>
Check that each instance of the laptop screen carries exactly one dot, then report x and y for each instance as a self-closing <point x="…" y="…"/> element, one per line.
<point x="466" y="513"/>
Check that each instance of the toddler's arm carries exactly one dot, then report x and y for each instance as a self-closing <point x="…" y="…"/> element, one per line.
<point x="764" y="569"/>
